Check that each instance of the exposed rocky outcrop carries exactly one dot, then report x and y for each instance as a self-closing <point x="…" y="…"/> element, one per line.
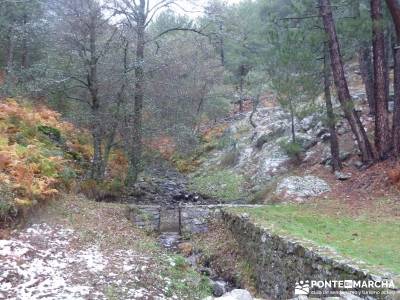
<point x="303" y="187"/>
<point x="166" y="187"/>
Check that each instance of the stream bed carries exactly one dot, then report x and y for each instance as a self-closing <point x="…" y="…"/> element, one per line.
<point x="172" y="242"/>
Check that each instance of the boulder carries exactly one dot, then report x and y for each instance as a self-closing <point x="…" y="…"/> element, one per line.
<point x="307" y="123"/>
<point x="237" y="294"/>
<point x="342" y="176"/>
<point x="391" y="106"/>
<point x="358" y="164"/>
<point x="275" y="131"/>
<point x="219" y="288"/>
<point x="303" y="187"/>
<point x="344" y="155"/>
<point x="262" y="140"/>
<point x="306" y="141"/>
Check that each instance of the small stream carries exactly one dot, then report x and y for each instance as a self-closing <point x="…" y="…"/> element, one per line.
<point x="170" y="241"/>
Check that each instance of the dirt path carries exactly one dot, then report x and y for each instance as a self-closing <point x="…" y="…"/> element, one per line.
<point x="80" y="249"/>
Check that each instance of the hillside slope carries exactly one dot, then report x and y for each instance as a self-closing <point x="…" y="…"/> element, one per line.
<point x="40" y="156"/>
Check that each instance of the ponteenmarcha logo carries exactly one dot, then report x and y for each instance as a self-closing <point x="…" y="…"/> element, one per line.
<point x="302" y="287"/>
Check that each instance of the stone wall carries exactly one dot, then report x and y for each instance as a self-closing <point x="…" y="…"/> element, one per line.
<point x="194" y="219"/>
<point x="145" y="216"/>
<point x="279" y="262"/>
<point x="189" y="218"/>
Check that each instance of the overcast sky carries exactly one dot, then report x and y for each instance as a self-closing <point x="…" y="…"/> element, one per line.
<point x="194" y="8"/>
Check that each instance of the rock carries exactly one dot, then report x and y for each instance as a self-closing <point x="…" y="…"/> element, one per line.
<point x="307" y="123"/>
<point x="245" y="216"/>
<point x="185" y="249"/>
<point x="327" y="158"/>
<point x="307" y="186"/>
<point x="358" y="164"/>
<point x="325" y="137"/>
<point x="344" y="155"/>
<point x="342" y="130"/>
<point x="342" y="176"/>
<point x="269" y="136"/>
<point x="391" y="106"/>
<point x="306" y="141"/>
<point x="237" y="294"/>
<point x="261" y="141"/>
<point x="219" y="288"/>
<point x="348" y="296"/>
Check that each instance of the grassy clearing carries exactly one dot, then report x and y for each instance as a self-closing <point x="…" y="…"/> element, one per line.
<point x="372" y="240"/>
<point x="224" y="185"/>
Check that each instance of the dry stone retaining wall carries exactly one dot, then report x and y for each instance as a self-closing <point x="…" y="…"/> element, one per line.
<point x="279" y="261"/>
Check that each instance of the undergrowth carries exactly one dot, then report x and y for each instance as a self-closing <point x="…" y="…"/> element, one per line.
<point x="40" y="155"/>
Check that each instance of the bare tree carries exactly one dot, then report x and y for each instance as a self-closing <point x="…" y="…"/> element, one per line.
<point x="139" y="15"/>
<point x="87" y="38"/>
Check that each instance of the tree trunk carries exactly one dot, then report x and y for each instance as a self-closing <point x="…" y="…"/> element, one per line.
<point x="256" y="101"/>
<point x="221" y="44"/>
<point x="10" y="55"/>
<point x="97" y="162"/>
<point x="365" y="63"/>
<point x="394" y="8"/>
<point x="135" y="155"/>
<point x="334" y="142"/>
<point x="382" y="132"/>
<point x="241" y="92"/>
<point x="293" y="131"/>
<point x="25" y="52"/>
<point x="341" y="83"/>
<point x="367" y="75"/>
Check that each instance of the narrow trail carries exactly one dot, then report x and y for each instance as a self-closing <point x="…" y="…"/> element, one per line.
<point x="84" y="250"/>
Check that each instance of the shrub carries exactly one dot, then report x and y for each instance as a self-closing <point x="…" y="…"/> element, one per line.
<point x="185" y="165"/>
<point x="230" y="159"/>
<point x="105" y="191"/>
<point x="8" y="210"/>
<point x="67" y="175"/>
<point x="51" y="132"/>
<point x="292" y="149"/>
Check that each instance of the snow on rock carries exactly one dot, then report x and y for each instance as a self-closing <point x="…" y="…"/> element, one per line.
<point x="236" y="294"/>
<point x="303" y="187"/>
<point x="49" y="262"/>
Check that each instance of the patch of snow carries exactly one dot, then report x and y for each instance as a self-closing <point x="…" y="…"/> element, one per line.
<point x="42" y="262"/>
<point x="93" y="258"/>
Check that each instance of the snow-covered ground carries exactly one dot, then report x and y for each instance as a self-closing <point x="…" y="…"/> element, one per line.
<point x="46" y="262"/>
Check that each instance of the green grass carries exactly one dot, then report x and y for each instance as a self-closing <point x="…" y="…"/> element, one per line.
<point x="185" y="282"/>
<point x="224" y="185"/>
<point x="374" y="241"/>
